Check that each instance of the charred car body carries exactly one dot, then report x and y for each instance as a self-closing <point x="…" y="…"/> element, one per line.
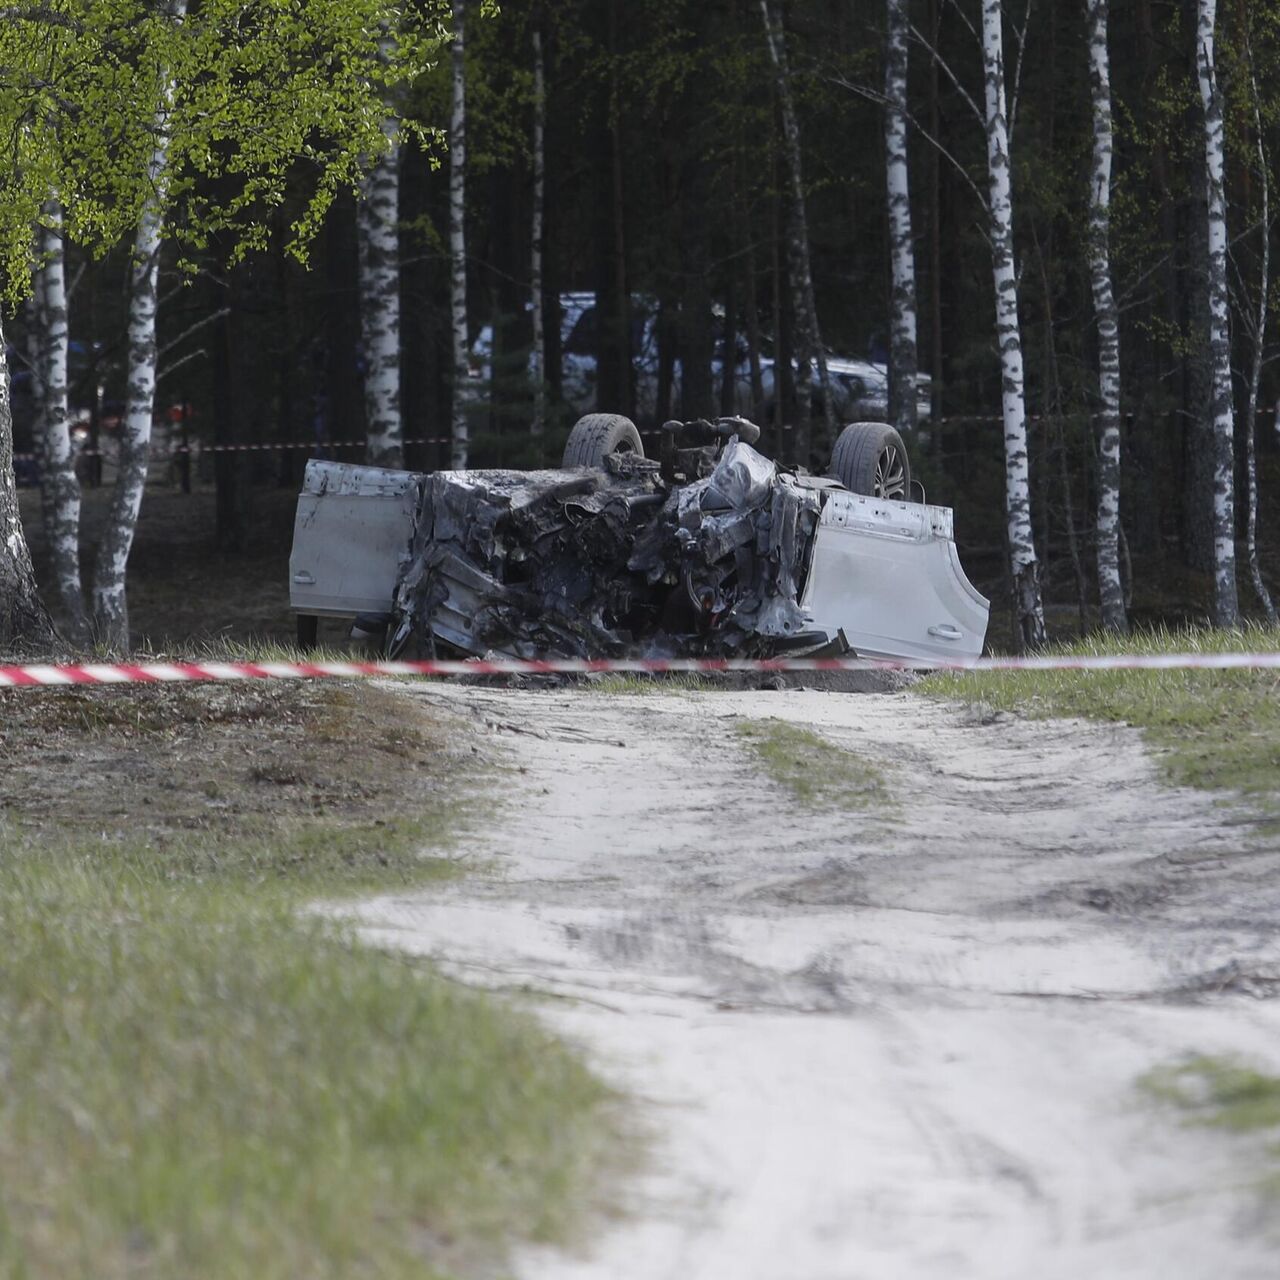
<point x="709" y="549"/>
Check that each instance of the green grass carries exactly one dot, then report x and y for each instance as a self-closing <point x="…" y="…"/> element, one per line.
<point x="817" y="773"/>
<point x="1224" y="1092"/>
<point x="637" y="682"/>
<point x="1211" y="729"/>
<point x="1227" y="1093"/>
<point x="200" y="1079"/>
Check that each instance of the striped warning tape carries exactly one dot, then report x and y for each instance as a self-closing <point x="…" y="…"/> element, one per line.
<point x="266" y="447"/>
<point x="170" y="672"/>
<point x="990" y="419"/>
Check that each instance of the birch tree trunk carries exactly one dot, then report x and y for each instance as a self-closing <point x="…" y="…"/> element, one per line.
<point x="458" y="237"/>
<point x="378" y="234"/>
<point x="61" y="488"/>
<point x="110" y="606"/>
<point x="37" y="359"/>
<point x="1025" y="568"/>
<point x="903" y="352"/>
<point x="1110" y="590"/>
<point x="808" y="337"/>
<point x="1226" y="607"/>
<point x="24" y="621"/>
<point x="539" y="370"/>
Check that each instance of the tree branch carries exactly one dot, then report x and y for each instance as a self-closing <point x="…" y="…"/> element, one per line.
<point x="41" y="15"/>
<point x="1017" y="71"/>
<point x="874" y="95"/>
<point x="920" y="39"/>
<point x="199" y="324"/>
<point x="177" y="364"/>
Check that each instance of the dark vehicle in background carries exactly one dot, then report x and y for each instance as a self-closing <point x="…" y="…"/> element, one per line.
<point x="860" y="388"/>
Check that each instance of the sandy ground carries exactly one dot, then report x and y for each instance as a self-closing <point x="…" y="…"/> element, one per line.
<point x="896" y="1045"/>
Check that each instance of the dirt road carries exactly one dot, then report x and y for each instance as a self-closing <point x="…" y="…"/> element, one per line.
<point x="902" y="1044"/>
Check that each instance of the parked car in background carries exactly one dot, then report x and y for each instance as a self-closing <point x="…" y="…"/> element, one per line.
<point x="860" y="387"/>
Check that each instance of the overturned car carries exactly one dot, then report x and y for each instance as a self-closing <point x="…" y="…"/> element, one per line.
<point x="708" y="549"/>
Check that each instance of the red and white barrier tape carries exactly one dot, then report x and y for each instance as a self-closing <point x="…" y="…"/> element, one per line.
<point x="171" y="672"/>
<point x="178" y="450"/>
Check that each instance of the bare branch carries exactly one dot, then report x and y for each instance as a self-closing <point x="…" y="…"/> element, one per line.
<point x="964" y="17"/>
<point x="920" y="39"/>
<point x="1017" y="71"/>
<point x="211" y="318"/>
<point x="1124" y="299"/>
<point x="74" y="282"/>
<point x="197" y="354"/>
<point x="874" y="95"/>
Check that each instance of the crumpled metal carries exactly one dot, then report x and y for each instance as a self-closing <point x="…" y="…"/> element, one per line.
<point x="614" y="562"/>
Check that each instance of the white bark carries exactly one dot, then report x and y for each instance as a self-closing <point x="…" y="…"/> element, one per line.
<point x="61" y="488"/>
<point x="1110" y="589"/>
<point x="903" y="350"/>
<point x="37" y="345"/>
<point x="110" y="607"/>
<point x="1024" y="566"/>
<point x="24" y="621"/>
<point x="808" y="337"/>
<point x="458" y="237"/>
<point x="378" y="232"/>
<point x="1226" y="608"/>
<point x="536" y="300"/>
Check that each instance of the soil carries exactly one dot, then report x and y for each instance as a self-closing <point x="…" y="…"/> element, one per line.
<point x="161" y="763"/>
<point x="186" y="592"/>
<point x="904" y="1043"/>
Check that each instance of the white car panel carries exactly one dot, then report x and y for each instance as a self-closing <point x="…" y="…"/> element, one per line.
<point x="350" y="538"/>
<point x="888" y="576"/>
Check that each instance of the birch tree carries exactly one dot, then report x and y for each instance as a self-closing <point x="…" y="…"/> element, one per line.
<point x="37" y="347"/>
<point x="1226" y="608"/>
<point x="1110" y="589"/>
<point x="378" y="235"/>
<point x="903" y="351"/>
<point x="1024" y="566"/>
<point x="110" y="606"/>
<point x="808" y="337"/>
<point x="536" y="300"/>
<point x="247" y="99"/>
<point x="62" y="508"/>
<point x="24" y="620"/>
<point x="458" y="237"/>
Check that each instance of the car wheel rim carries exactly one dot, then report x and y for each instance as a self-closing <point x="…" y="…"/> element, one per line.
<point x="891" y="478"/>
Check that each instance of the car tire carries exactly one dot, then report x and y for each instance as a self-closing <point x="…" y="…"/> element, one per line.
<point x="870" y="458"/>
<point x="596" y="436"/>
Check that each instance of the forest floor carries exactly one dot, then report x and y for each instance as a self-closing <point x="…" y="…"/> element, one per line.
<point x="901" y="986"/>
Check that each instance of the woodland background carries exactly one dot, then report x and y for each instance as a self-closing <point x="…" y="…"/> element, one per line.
<point x="666" y="177"/>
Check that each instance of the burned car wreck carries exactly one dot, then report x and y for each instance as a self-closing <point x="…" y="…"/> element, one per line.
<point x="709" y="549"/>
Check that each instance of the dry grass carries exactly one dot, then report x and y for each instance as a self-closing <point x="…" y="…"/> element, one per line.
<point x="201" y="1082"/>
<point x="1212" y="729"/>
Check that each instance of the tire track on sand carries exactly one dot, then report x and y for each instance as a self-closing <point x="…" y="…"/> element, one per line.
<point x="873" y="1045"/>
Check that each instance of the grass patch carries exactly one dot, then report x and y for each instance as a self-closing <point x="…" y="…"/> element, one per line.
<point x="197" y="1080"/>
<point x="1212" y="729"/>
<point x="659" y="682"/>
<point x="1224" y="1092"/>
<point x="817" y="773"/>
